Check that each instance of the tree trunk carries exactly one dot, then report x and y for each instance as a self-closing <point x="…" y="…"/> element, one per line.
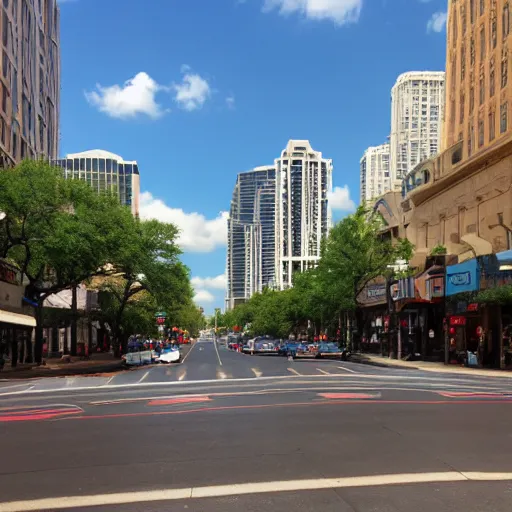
<point x="38" y="349"/>
<point x="74" y="320"/>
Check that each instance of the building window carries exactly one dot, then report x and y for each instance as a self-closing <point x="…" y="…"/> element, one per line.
<point x="492" y="126"/>
<point x="461" y="108"/>
<point x="462" y="63"/>
<point x="482" y="43"/>
<point x="470" y="140"/>
<point x="472" y="51"/>
<point x="463" y="18"/>
<point x="492" y="81"/>
<point x="494" y="32"/>
<point x="480" y="133"/>
<point x="471" y="99"/>
<point x="506" y="20"/>
<point x="472" y="11"/>
<point x="504" y="71"/>
<point x="482" y="7"/>
<point x="455" y="28"/>
<point x="503" y="117"/>
<point x="482" y="90"/>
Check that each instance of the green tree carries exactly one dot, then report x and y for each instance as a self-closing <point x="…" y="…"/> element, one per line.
<point x="58" y="232"/>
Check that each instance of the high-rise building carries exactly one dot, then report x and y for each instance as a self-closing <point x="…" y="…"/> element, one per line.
<point x="29" y="80"/>
<point x="478" y="92"/>
<point x="105" y="171"/>
<point x="249" y="267"/>
<point x="417" y="106"/>
<point x="303" y="216"/>
<point x="375" y="172"/>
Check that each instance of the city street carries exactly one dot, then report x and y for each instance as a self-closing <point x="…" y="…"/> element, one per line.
<point x="246" y="433"/>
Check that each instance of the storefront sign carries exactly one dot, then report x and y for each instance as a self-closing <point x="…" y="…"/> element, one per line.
<point x="376" y="292"/>
<point x="473" y="307"/>
<point x="373" y="293"/>
<point x="457" y="320"/>
<point x="464" y="277"/>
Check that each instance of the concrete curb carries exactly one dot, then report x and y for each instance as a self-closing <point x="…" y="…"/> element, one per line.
<point x="380" y="364"/>
<point x="62" y="372"/>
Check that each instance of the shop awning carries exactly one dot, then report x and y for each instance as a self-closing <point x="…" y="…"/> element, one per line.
<point x="17" y="319"/>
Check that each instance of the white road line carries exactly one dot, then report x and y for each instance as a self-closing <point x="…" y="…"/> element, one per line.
<point x="294" y="371"/>
<point x="221" y="375"/>
<point x="217" y="351"/>
<point x="323" y="371"/>
<point x="189" y="352"/>
<point x="347" y="370"/>
<point x="215" y="491"/>
<point x="109" y="381"/>
<point x="143" y="377"/>
<point x="182" y="375"/>
<point x="256" y="372"/>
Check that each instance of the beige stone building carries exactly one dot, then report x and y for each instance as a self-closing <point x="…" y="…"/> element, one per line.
<point x="478" y="87"/>
<point x="29" y="80"/>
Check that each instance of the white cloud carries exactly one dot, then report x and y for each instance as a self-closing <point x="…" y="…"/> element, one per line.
<point x="437" y="22"/>
<point x="203" y="296"/>
<point x="230" y="101"/>
<point x="340" y="11"/>
<point x="136" y="96"/>
<point x="193" y="91"/>
<point x="197" y="233"/>
<point x="339" y="199"/>
<point x="210" y="283"/>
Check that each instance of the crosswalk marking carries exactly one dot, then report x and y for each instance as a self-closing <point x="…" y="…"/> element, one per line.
<point x="323" y="371"/>
<point x="293" y="371"/>
<point x="256" y="372"/>
<point x="346" y="369"/>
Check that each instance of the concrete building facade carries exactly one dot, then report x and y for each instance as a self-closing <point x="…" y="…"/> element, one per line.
<point x="375" y="173"/>
<point x="417" y="106"/>
<point x="303" y="216"/>
<point x="105" y="171"/>
<point x="29" y="80"/>
<point x="477" y="70"/>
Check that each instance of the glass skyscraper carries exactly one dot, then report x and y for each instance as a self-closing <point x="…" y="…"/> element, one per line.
<point x="251" y="232"/>
<point x="105" y="171"/>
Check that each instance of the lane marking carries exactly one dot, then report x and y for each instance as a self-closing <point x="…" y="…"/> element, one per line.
<point x="182" y="375"/>
<point x="256" y="372"/>
<point x="442" y="382"/>
<point x="217" y="351"/>
<point x="348" y="396"/>
<point x="109" y="381"/>
<point x="182" y="400"/>
<point x="189" y="352"/>
<point x="143" y="377"/>
<point x="221" y="375"/>
<point x="347" y="370"/>
<point x="473" y="394"/>
<point x="323" y="371"/>
<point x="294" y="371"/>
<point x="234" y="489"/>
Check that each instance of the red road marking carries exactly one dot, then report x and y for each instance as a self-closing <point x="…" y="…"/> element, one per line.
<point x="347" y="396"/>
<point x="293" y="404"/>
<point x="467" y="394"/>
<point x="37" y="415"/>
<point x="184" y="400"/>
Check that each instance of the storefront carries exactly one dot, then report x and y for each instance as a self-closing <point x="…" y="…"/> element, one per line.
<point x="16" y="318"/>
<point x="374" y="317"/>
<point x="464" y="317"/>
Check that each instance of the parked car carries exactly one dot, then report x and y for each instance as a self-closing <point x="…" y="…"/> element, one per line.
<point x="329" y="350"/>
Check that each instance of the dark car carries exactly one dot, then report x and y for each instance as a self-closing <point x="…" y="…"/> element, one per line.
<point x="329" y="350"/>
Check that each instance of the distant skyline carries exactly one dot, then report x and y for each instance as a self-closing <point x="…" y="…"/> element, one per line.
<point x="196" y="102"/>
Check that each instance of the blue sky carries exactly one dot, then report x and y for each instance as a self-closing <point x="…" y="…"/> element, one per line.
<point x="199" y="90"/>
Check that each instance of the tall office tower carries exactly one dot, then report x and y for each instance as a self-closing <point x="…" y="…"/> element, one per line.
<point x="248" y="221"/>
<point x="375" y="172"/>
<point x="29" y="80"/>
<point x="417" y="105"/>
<point x="303" y="216"/>
<point x="105" y="171"/>
<point x="478" y="92"/>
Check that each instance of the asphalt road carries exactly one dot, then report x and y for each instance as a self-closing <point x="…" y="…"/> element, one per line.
<point x="246" y="433"/>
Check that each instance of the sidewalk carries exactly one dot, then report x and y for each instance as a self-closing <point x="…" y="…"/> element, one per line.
<point x="375" y="360"/>
<point x="98" y="363"/>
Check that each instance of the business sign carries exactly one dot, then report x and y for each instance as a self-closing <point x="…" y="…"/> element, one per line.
<point x="464" y="277"/>
<point x="373" y="294"/>
<point x="376" y="292"/>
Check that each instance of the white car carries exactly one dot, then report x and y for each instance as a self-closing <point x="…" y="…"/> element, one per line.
<point x="171" y="356"/>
